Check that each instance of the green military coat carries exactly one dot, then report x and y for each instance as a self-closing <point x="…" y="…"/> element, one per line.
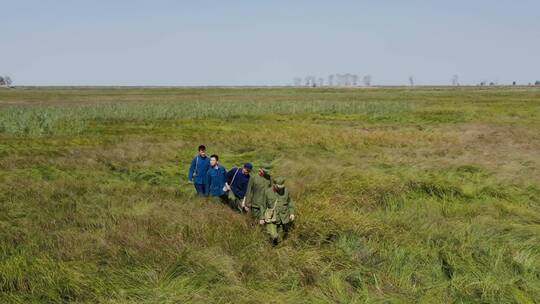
<point x="284" y="204"/>
<point x="255" y="192"/>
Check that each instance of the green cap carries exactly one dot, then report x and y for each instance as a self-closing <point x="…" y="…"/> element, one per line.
<point x="266" y="166"/>
<point x="279" y="181"/>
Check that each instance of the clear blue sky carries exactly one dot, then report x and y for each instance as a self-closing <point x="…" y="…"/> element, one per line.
<point x="267" y="42"/>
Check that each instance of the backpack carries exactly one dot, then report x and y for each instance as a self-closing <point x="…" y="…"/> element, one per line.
<point x="270" y="215"/>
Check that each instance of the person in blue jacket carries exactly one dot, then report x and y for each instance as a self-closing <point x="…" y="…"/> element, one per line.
<point x="237" y="184"/>
<point x="215" y="180"/>
<point x="198" y="169"/>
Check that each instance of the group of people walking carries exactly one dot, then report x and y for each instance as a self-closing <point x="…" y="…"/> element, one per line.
<point x="258" y="193"/>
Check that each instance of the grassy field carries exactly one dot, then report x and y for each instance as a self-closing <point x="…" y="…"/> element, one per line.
<point x="427" y="195"/>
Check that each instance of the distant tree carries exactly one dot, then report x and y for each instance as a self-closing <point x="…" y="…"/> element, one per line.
<point x="339" y="79"/>
<point x="307" y="81"/>
<point x="331" y="79"/>
<point x="2" y="81"/>
<point x="455" y="80"/>
<point x="297" y="81"/>
<point x="537" y="83"/>
<point x="8" y="81"/>
<point x="348" y="78"/>
<point x="492" y="83"/>
<point x="513" y="83"/>
<point x="310" y="81"/>
<point x="367" y="80"/>
<point x="411" y="81"/>
<point x="354" y="79"/>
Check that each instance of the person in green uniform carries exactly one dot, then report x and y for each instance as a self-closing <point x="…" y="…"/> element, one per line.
<point x="277" y="210"/>
<point x="257" y="185"/>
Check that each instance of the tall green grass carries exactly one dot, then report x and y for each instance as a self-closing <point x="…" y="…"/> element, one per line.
<point x="72" y="119"/>
<point x="46" y="112"/>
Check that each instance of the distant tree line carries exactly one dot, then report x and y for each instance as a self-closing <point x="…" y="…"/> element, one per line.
<point x="5" y="81"/>
<point x="496" y="83"/>
<point x="353" y="80"/>
<point x="340" y="80"/>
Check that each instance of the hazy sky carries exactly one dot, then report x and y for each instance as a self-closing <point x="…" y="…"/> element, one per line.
<point x="267" y="42"/>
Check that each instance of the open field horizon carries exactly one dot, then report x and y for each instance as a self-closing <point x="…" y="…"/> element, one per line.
<point x="276" y="86"/>
<point x="423" y="194"/>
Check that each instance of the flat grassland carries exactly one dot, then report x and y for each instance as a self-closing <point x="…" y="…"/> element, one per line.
<point x="403" y="195"/>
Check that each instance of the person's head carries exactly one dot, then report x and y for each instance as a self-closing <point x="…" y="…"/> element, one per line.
<point x="247" y="168"/>
<point x="279" y="183"/>
<point x="264" y="169"/>
<point x="202" y="150"/>
<point x="214" y="159"/>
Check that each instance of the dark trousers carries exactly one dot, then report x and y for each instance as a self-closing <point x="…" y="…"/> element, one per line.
<point x="278" y="231"/>
<point x="234" y="202"/>
<point x="256" y="212"/>
<point x="200" y="189"/>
